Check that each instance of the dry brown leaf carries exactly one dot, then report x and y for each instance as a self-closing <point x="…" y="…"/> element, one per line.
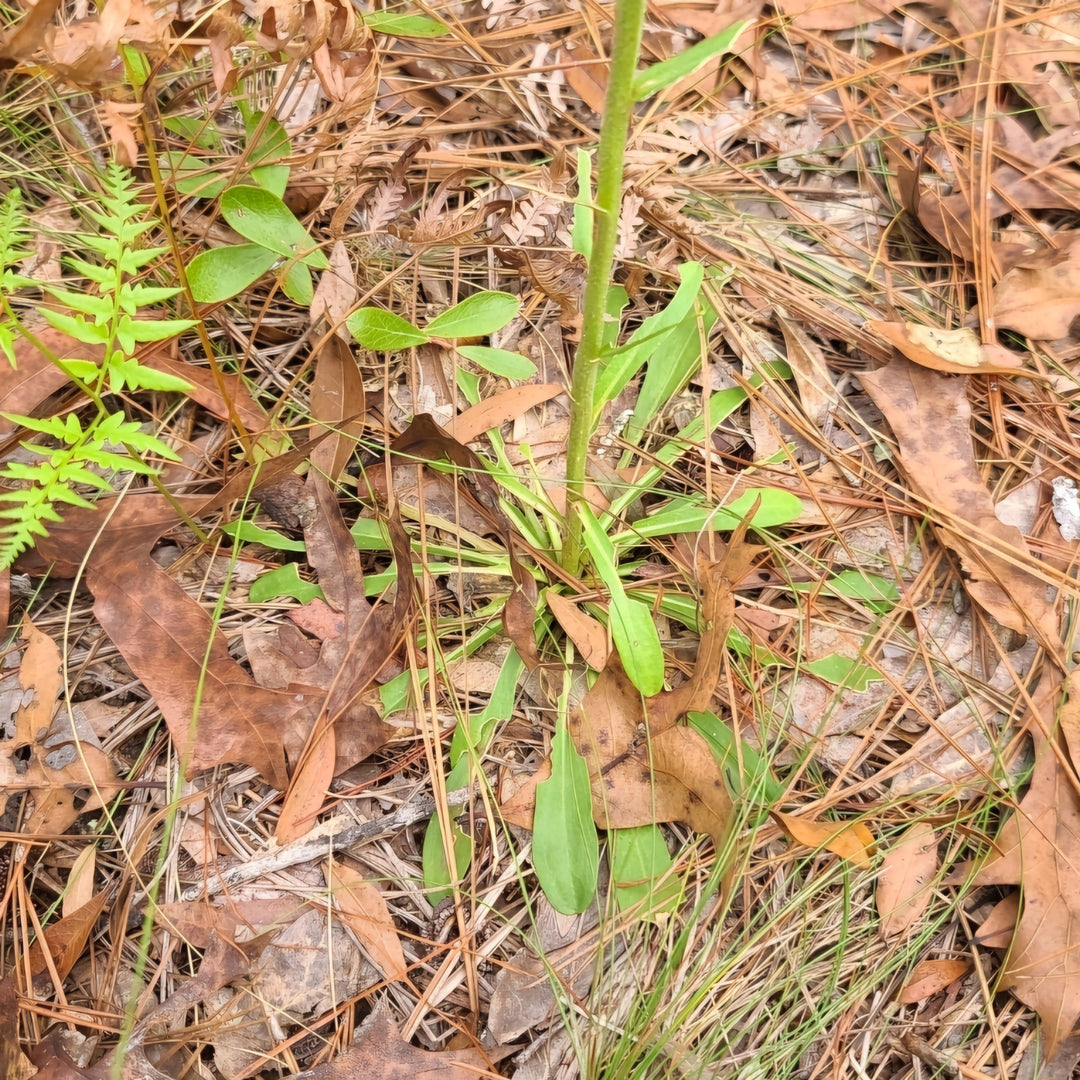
<point x="13" y="1064"/>
<point x="850" y="840"/>
<point x="379" y="1051"/>
<point x="337" y="400"/>
<point x="47" y="755"/>
<point x="80" y="882"/>
<point x="717" y="580"/>
<point x="997" y="929"/>
<point x="906" y="880"/>
<point x="587" y="75"/>
<point x="65" y="939"/>
<point x="956" y="351"/>
<point x="309" y="785"/>
<point x="835" y="14"/>
<point x="1037" y="850"/>
<point x="168" y="640"/>
<point x="588" y="634"/>
<point x="197" y="921"/>
<point x="494" y="411"/>
<point x="671" y="776"/>
<point x="931" y="976"/>
<point x="1040" y="296"/>
<point x="931" y="418"/>
<point x="360" y="906"/>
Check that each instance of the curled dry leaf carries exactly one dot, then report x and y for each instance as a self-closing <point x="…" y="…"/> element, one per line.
<point x="1040" y="296"/>
<point x="905" y="882"/>
<point x="931" y="976"/>
<point x="588" y="634"/>
<point x="850" y="840"/>
<point x="956" y="351"/>
<point x="931" y="418"/>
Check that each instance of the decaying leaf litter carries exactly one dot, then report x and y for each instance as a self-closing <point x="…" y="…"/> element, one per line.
<point x="252" y="712"/>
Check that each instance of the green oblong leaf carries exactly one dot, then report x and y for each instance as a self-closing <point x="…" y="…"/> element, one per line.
<point x="260" y="216"/>
<point x="221" y="273"/>
<point x="476" y="316"/>
<point x="670" y="71"/>
<point x="635" y="636"/>
<point x="778" y="507"/>
<point x="383" y="331"/>
<point x="297" y="284"/>
<point x="510" y="365"/>
<point x="437" y="876"/>
<point x="566" y="849"/>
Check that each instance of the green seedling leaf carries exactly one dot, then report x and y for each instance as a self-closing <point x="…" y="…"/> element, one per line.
<point x="437" y="877"/>
<point x="193" y="176"/>
<point x="753" y="775"/>
<point x="297" y="285"/>
<point x="566" y="849"/>
<point x="284" y="581"/>
<point x="193" y="131"/>
<point x="668" y="72"/>
<point x="390" y="22"/>
<point x="632" y="628"/>
<point x="260" y="216"/>
<point x="221" y="273"/>
<point x="510" y="365"/>
<point x="271" y="144"/>
<point x="247" y="532"/>
<point x="844" y="672"/>
<point x="639" y="859"/>
<point x="477" y="731"/>
<point x="624" y="363"/>
<point x="476" y="316"/>
<point x="383" y="331"/>
<point x="778" y="507"/>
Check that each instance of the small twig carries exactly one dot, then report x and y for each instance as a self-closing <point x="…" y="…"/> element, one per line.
<point x="333" y="835"/>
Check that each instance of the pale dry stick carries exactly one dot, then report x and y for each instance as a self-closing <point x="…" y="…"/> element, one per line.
<point x="336" y="834"/>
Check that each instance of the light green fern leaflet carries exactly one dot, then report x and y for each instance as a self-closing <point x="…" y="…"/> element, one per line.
<point x="104" y="312"/>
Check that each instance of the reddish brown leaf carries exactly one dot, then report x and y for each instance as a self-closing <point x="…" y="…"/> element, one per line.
<point x="930" y="417"/>
<point x="931" y="976"/>
<point x="850" y="840"/>
<point x="588" y="634"/>
<point x="337" y="400"/>
<point x="360" y="905"/>
<point x="1040" y="296"/>
<point x="66" y="939"/>
<point x="906" y="880"/>
<point x="197" y="921"/>
<point x="498" y="409"/>
<point x="213" y="708"/>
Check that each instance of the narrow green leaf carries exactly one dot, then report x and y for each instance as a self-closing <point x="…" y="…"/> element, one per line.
<point x="581" y="232"/>
<point x="667" y="72"/>
<point x="247" y="532"/>
<point x="844" y="672"/>
<point x="260" y="216"/>
<point x="566" y="849"/>
<point x="878" y="593"/>
<point x="509" y="365"/>
<point x="778" y="507"/>
<point x="753" y="776"/>
<point x="383" y="331"/>
<point x="632" y="628"/>
<point x="639" y="859"/>
<point x="476" y="316"/>
<point x="221" y="273"/>
<point x="437" y="876"/>
<point x="397" y="25"/>
<point x="284" y="581"/>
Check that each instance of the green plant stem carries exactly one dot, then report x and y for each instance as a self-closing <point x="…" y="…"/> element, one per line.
<point x="629" y="19"/>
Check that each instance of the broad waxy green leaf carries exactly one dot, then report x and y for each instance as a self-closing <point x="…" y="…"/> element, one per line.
<point x="221" y="273"/>
<point x="777" y="508"/>
<point x="639" y="859"/>
<point x="247" y="532"/>
<point x="753" y="774"/>
<point x="566" y="849"/>
<point x="510" y="365"/>
<point x="284" y="581"/>
<point x="383" y="331"/>
<point x="260" y="216"/>
<point x="476" y="316"/>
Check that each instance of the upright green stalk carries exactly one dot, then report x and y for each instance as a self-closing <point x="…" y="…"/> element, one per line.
<point x="629" y="19"/>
